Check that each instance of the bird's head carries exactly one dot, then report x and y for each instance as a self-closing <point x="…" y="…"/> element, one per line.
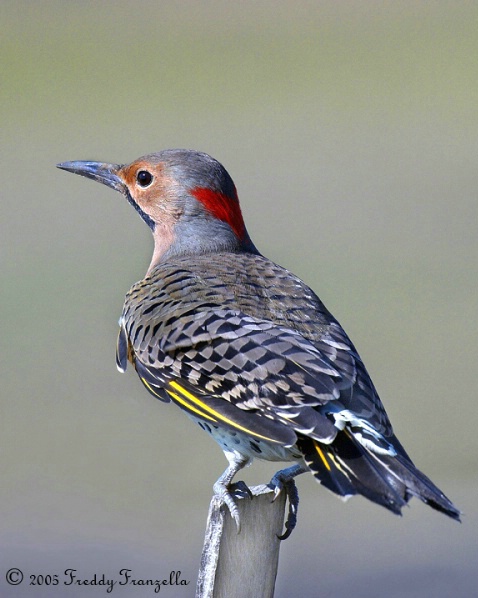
<point x="187" y="198"/>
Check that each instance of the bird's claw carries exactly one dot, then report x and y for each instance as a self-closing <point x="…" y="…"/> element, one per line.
<point x="226" y="495"/>
<point x="282" y="482"/>
<point x="241" y="490"/>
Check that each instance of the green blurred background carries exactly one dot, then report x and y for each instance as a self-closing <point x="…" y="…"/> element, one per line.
<point x="350" y="129"/>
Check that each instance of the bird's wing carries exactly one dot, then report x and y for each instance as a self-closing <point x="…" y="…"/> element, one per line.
<point x="259" y="377"/>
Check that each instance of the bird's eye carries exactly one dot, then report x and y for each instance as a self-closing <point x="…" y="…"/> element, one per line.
<point x="144" y="178"/>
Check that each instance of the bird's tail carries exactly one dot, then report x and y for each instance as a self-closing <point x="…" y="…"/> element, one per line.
<point x="346" y="467"/>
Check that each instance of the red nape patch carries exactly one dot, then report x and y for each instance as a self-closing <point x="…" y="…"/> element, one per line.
<point x="222" y="207"/>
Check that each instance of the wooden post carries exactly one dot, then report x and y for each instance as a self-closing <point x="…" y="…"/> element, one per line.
<point x="242" y="565"/>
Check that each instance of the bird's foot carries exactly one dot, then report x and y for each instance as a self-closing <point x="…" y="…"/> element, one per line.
<point x="241" y="490"/>
<point x="225" y="491"/>
<point x="228" y="494"/>
<point x="284" y="481"/>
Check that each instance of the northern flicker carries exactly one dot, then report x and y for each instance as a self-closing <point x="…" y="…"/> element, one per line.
<point x="245" y="347"/>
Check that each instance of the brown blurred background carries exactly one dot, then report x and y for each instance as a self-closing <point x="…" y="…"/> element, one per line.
<point x="350" y="129"/>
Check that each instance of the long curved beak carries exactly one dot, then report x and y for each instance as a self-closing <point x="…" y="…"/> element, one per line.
<point x="98" y="171"/>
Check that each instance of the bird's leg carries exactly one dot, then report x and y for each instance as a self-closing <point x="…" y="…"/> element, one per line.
<point x="284" y="480"/>
<point x="222" y="486"/>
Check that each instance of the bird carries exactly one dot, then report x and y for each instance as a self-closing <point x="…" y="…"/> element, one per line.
<point x="246" y="348"/>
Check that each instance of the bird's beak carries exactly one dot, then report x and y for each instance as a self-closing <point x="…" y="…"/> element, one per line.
<point x="98" y="171"/>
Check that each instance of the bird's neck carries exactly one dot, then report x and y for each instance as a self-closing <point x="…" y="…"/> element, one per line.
<point x="198" y="238"/>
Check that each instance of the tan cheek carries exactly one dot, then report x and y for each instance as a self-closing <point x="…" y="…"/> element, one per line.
<point x="166" y="203"/>
<point x="159" y="203"/>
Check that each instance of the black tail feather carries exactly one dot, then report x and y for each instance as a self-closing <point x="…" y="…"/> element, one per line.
<point x="419" y="485"/>
<point x="346" y="467"/>
<point x="325" y="468"/>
